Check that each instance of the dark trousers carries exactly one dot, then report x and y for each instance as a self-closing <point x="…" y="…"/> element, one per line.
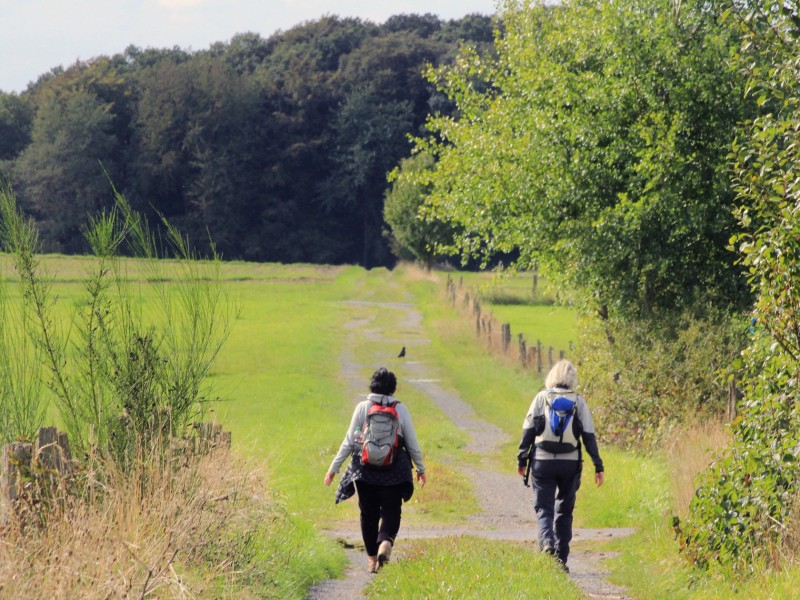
<point x="381" y="507"/>
<point x="555" y="484"/>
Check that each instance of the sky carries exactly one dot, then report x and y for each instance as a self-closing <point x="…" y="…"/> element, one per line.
<point x="38" y="35"/>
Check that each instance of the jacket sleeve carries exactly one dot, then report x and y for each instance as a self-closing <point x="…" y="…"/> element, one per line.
<point x="410" y="437"/>
<point x="588" y="437"/>
<point x="349" y="442"/>
<point x="525" y="445"/>
<point x="532" y="426"/>
<point x="590" y="443"/>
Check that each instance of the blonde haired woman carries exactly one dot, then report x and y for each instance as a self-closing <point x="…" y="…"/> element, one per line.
<point x="556" y="429"/>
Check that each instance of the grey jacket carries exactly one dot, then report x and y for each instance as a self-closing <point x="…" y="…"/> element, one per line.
<point x="534" y="424"/>
<point x="406" y="430"/>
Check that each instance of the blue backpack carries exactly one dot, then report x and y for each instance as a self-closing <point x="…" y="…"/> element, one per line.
<point x="559" y="435"/>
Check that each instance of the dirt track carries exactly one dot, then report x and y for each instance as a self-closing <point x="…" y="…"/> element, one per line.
<point x="506" y="505"/>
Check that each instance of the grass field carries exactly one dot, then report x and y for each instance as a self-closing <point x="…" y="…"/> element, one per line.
<point x="284" y="396"/>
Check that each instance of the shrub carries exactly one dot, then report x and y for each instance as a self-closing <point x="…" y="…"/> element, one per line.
<point x="746" y="499"/>
<point x="646" y="378"/>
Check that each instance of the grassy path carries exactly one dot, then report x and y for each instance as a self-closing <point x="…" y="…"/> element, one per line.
<point x="503" y="505"/>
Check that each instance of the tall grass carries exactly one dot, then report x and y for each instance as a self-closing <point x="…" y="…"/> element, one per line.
<point x="151" y="531"/>
<point x="689" y="454"/>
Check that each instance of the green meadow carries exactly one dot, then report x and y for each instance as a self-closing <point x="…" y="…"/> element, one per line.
<point x="281" y="388"/>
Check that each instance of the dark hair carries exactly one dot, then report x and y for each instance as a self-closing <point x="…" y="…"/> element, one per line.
<point x="383" y="382"/>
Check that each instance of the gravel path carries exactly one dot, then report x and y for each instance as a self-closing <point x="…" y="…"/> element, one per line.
<point x="506" y="515"/>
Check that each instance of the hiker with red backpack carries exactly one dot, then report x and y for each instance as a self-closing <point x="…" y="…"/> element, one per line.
<point x="383" y="443"/>
<point x="558" y="420"/>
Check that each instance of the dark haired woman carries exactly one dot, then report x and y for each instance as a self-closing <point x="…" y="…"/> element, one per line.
<point x="381" y="490"/>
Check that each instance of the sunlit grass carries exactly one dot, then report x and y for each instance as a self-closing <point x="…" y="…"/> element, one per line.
<point x="464" y="568"/>
<point x="285" y="398"/>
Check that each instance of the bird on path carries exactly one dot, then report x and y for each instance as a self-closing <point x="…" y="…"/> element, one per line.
<point x="402" y="353"/>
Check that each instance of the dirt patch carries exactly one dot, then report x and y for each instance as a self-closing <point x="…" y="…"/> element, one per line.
<point x="506" y="504"/>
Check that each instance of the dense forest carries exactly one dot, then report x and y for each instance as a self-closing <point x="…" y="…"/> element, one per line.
<point x="275" y="149"/>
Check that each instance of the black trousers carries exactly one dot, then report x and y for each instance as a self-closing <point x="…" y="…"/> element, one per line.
<point x="381" y="507"/>
<point x="555" y="485"/>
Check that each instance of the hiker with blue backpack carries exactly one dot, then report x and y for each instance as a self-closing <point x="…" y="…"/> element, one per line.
<point x="383" y="443"/>
<point x="556" y="430"/>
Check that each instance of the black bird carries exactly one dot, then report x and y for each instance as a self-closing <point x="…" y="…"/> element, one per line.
<point x="402" y="353"/>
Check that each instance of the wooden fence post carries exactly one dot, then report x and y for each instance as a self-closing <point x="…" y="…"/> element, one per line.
<point x="506" y="336"/>
<point x="523" y="352"/>
<point x="538" y="356"/>
<point x="16" y="456"/>
<point x="550" y="356"/>
<point x="51" y="450"/>
<point x="734" y="394"/>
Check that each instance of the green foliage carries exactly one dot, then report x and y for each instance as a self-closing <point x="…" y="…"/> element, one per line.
<point x="278" y="148"/>
<point x="21" y="382"/>
<point x="596" y="142"/>
<point x="59" y="173"/>
<point x="411" y="233"/>
<point x="747" y="498"/>
<point x="21" y="377"/>
<point x="747" y="505"/>
<point x="649" y="378"/>
<point x="15" y="125"/>
<point x="369" y="132"/>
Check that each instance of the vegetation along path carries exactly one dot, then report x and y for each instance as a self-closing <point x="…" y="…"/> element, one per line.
<point x="506" y="511"/>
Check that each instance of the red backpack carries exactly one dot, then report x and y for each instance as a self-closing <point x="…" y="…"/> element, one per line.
<point x="380" y="437"/>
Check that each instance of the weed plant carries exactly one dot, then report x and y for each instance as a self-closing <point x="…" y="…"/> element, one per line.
<point x="121" y="375"/>
<point x="22" y="390"/>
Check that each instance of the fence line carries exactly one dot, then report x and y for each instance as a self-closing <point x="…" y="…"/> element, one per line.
<point x="497" y="336"/>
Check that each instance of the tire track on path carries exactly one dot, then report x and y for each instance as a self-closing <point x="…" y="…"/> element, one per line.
<point x="506" y="506"/>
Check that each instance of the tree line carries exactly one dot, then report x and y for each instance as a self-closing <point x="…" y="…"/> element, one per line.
<point x="271" y="149"/>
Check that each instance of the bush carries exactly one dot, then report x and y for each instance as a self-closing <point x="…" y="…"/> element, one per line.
<point x="646" y="378"/>
<point x="747" y="499"/>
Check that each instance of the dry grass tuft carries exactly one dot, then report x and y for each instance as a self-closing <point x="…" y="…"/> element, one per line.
<point x="142" y="534"/>
<point x="690" y="452"/>
<point x="414" y="272"/>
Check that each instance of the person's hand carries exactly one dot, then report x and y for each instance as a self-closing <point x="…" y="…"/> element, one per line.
<point x="599" y="478"/>
<point x="329" y="477"/>
<point x="521" y="471"/>
<point x="421" y="479"/>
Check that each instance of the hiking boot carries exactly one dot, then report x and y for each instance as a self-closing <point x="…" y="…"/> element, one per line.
<point x="372" y="564"/>
<point x="549" y="550"/>
<point x="384" y="552"/>
<point x="563" y="565"/>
